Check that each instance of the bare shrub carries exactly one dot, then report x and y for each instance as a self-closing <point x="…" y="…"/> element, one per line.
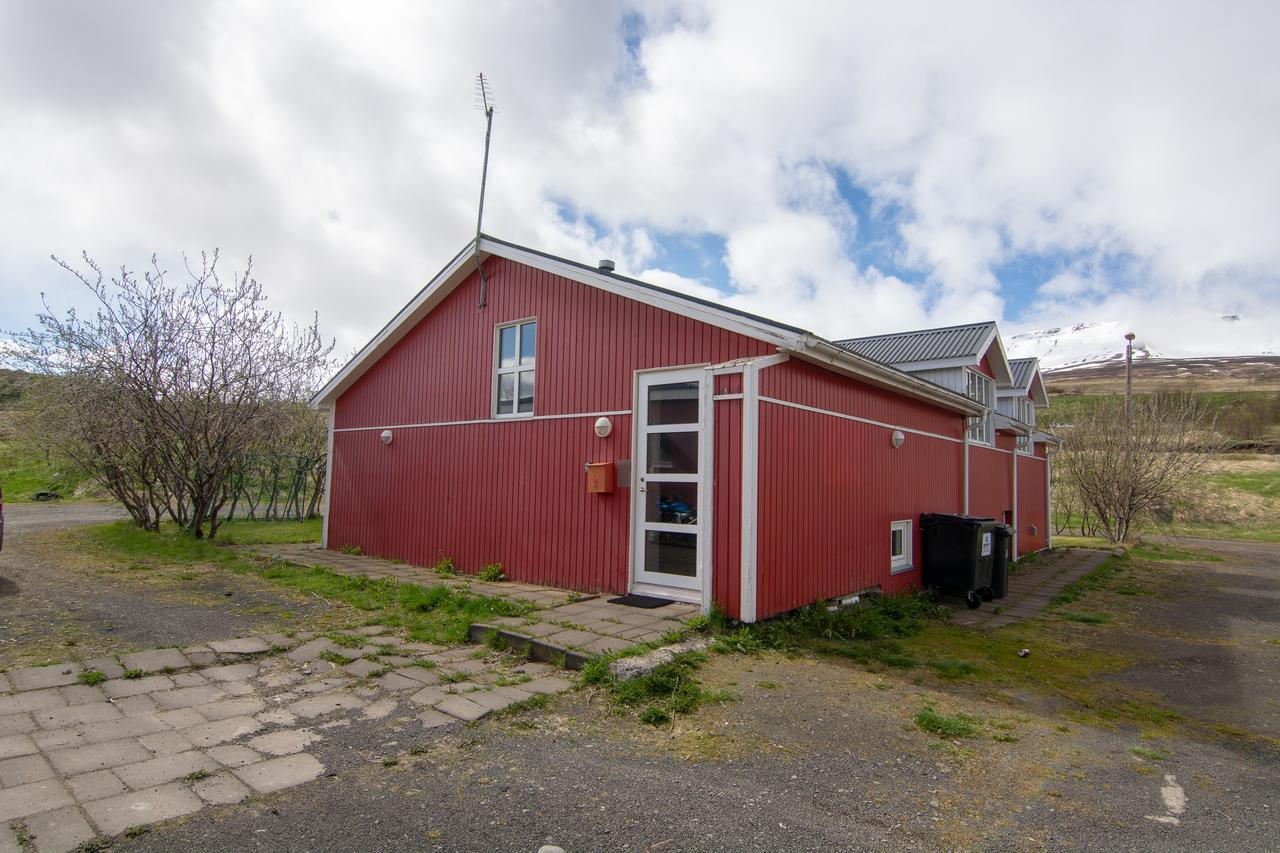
<point x="159" y="391"/>
<point x="1119" y="475"/>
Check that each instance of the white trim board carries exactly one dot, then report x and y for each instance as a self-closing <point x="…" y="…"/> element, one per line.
<point x="501" y="420"/>
<point x="858" y="419"/>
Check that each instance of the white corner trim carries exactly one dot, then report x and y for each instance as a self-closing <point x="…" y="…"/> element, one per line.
<point x="328" y="482"/>
<point x="750" y="490"/>
<point x="707" y="498"/>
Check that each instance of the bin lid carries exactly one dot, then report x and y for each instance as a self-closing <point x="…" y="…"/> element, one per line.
<point x="954" y="518"/>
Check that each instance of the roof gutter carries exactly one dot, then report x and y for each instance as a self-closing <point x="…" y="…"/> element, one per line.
<point x="838" y="358"/>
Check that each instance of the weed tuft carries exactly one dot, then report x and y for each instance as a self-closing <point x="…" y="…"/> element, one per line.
<point x="948" y="725"/>
<point x="491" y="573"/>
<point x="92" y="677"/>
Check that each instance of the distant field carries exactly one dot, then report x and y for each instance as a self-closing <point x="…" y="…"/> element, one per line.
<point x="1239" y="415"/>
<point x="1237" y="373"/>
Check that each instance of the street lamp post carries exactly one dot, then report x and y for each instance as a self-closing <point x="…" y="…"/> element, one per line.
<point x="1128" y="382"/>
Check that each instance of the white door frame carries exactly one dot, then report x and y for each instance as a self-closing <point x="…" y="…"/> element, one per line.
<point x="698" y="589"/>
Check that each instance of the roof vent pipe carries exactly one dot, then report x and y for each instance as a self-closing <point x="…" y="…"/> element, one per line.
<point x="606" y="265"/>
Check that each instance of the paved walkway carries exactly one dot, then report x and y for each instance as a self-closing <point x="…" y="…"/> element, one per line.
<point x="96" y="748"/>
<point x="1031" y="587"/>
<point x="562" y="624"/>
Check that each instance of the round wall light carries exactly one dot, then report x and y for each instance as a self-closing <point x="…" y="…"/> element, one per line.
<point x="897" y="438"/>
<point x="604" y="426"/>
<point x="385" y="438"/>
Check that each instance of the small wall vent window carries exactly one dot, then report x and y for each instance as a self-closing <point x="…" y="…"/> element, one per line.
<point x="516" y="348"/>
<point x="900" y="546"/>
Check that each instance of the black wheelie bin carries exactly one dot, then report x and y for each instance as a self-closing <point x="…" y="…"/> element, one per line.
<point x="1000" y="548"/>
<point x="958" y="554"/>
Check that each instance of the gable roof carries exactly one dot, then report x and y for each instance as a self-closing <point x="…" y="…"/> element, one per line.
<point x="1026" y="380"/>
<point x="792" y="339"/>
<point x="925" y="349"/>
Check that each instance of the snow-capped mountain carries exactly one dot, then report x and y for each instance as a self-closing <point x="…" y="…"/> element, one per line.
<point x="1072" y="346"/>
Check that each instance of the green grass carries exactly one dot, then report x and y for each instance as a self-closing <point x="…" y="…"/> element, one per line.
<point x="23" y="472"/>
<point x="436" y="614"/>
<point x="948" y="725"/>
<point x="92" y="677"/>
<point x="1167" y="552"/>
<point x="670" y="689"/>
<point x="254" y="532"/>
<point x="1099" y="578"/>
<point x="1085" y="617"/>
<point x="1148" y="753"/>
<point x="1263" y="483"/>
<point x="869" y="632"/>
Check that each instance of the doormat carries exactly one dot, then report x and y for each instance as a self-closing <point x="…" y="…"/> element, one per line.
<point x="644" y="602"/>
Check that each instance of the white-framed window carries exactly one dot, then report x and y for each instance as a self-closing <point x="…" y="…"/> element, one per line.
<point x="900" y="546"/>
<point x="1024" y="410"/>
<point x="1025" y="445"/>
<point x="515" y="348"/>
<point x="981" y="389"/>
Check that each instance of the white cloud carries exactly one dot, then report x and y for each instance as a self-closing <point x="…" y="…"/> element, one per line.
<point x="339" y="144"/>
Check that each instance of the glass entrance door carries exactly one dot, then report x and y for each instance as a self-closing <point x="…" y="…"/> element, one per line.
<point x="669" y="433"/>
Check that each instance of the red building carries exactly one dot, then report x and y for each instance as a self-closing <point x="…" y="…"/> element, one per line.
<point x="593" y="432"/>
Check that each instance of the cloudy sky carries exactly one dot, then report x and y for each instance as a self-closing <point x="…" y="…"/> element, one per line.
<point x="847" y="167"/>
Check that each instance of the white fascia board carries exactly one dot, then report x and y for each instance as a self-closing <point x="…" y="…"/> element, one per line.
<point x="1000" y="365"/>
<point x="838" y="358"/>
<point x="439" y="287"/>
<point x="1008" y="424"/>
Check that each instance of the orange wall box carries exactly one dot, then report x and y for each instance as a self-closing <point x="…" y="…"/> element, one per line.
<point x="602" y="477"/>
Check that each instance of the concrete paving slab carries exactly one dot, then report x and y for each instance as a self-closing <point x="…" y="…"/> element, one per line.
<point x="428" y="696"/>
<point x="24" y="770"/>
<point x="135" y="706"/>
<point x="200" y="655"/>
<point x="189" y="679"/>
<point x="114" y="815"/>
<point x="41" y="677"/>
<point x="570" y="638"/>
<point x="493" y="700"/>
<point x="167" y="742"/>
<point x="312" y="650"/>
<point x="379" y="710"/>
<point x="156" y="660"/>
<point x="83" y="694"/>
<point x="182" y="718"/>
<point x="244" y="706"/>
<point x="325" y="703"/>
<point x="362" y="668"/>
<point x="98" y="756"/>
<point x="11" y="746"/>
<point x="221" y="731"/>
<point x="277" y="717"/>
<point x="187" y="697"/>
<point x="13" y="724"/>
<point x="114" y="729"/>
<point x="96" y="712"/>
<point x="432" y="719"/>
<point x="394" y="681"/>
<point x="278" y="773"/>
<point x="38" y="700"/>
<point x="240" y="646"/>
<point x="284" y="742"/>
<point x="110" y="667"/>
<point x="119" y="688"/>
<point x="167" y="768"/>
<point x="26" y="800"/>
<point x="462" y="708"/>
<point x="221" y="789"/>
<point x="59" y="831"/>
<point x="231" y="672"/>
<point x="233" y="755"/>
<point x="546" y="684"/>
<point x="420" y="674"/>
<point x="96" y="785"/>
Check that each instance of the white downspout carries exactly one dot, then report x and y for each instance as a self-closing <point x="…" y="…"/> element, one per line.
<point x="1048" y="497"/>
<point x="750" y="485"/>
<point x="1014" y="457"/>
<point x="966" y="465"/>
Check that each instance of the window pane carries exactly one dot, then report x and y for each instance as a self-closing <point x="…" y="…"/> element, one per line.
<point x="673" y="404"/>
<point x="526" y="391"/>
<point x="528" y="342"/>
<point x="895" y="542"/>
<point x="671" y="553"/>
<point x="507" y="346"/>
<point x="671" y="503"/>
<point x="673" y="453"/>
<point x="506" y="393"/>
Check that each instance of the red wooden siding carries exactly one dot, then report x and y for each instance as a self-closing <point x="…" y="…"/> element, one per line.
<point x="726" y="539"/>
<point x="990" y="481"/>
<point x="829" y="487"/>
<point x="800" y="382"/>
<point x="1033" y="509"/>
<point x="589" y="343"/>
<point x="513" y="491"/>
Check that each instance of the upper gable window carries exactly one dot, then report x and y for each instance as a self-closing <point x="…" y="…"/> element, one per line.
<point x="981" y="389"/>
<point x="515" y="349"/>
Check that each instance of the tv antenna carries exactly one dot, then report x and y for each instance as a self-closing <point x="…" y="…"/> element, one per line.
<point x="484" y="101"/>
